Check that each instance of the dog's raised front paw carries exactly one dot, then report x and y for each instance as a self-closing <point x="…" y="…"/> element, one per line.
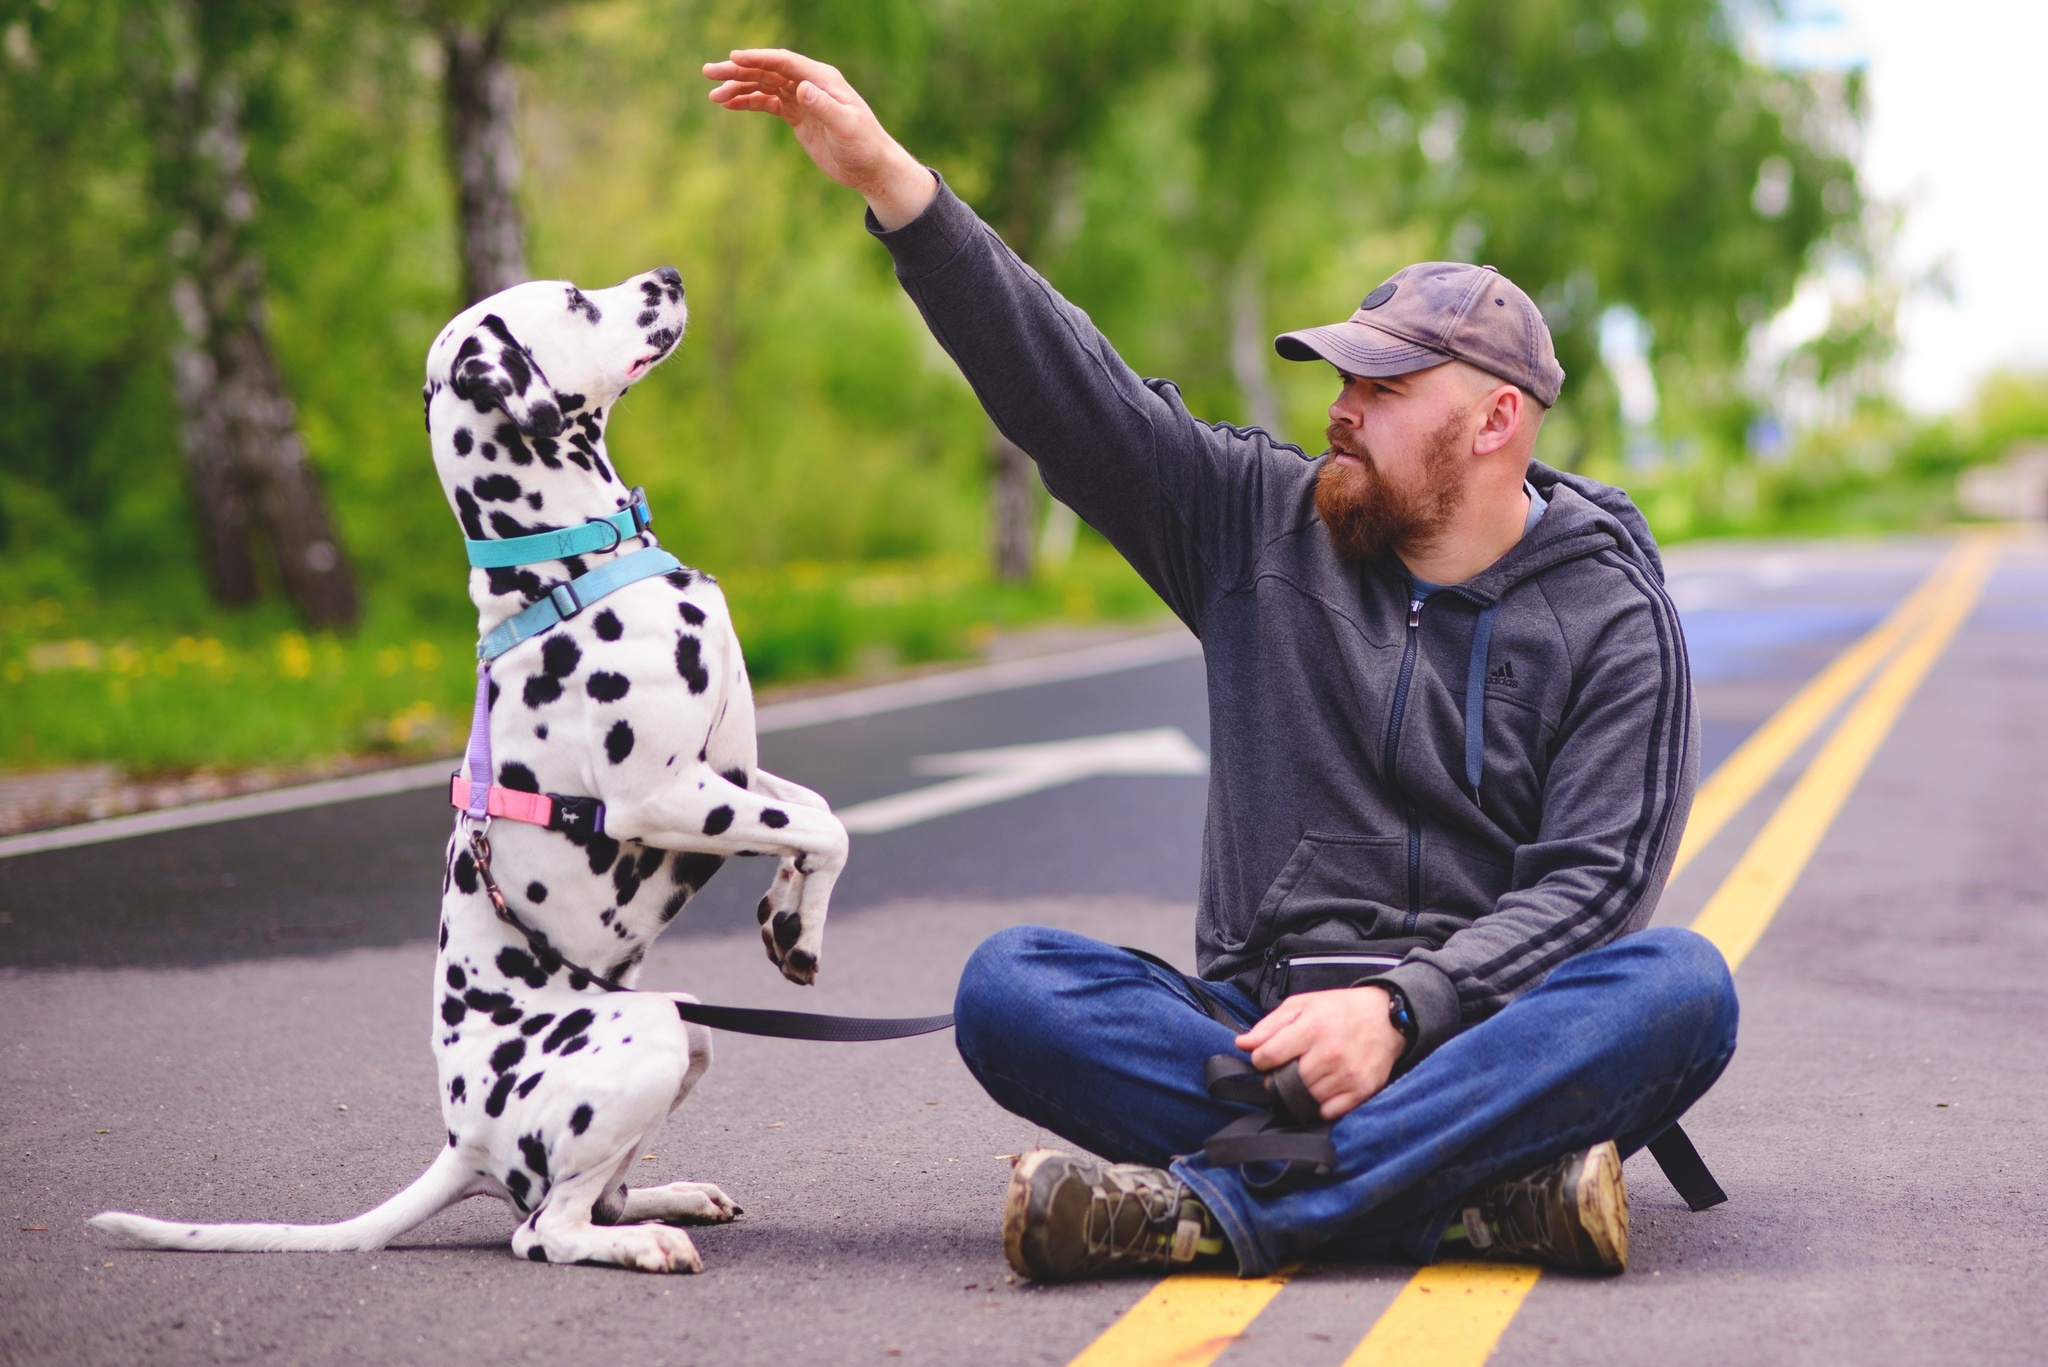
<point x="682" y="1203"/>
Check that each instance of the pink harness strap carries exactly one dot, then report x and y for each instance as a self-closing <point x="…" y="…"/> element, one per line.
<point x="509" y="803"/>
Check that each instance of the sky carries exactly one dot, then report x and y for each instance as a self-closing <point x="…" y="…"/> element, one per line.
<point x="1957" y="135"/>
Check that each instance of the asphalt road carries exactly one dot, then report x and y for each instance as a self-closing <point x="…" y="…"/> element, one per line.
<point x="230" y="1022"/>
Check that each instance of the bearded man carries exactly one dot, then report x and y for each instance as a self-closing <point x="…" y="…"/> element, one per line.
<point x="1453" y="745"/>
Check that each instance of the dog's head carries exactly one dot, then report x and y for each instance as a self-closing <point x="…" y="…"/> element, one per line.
<point x="542" y="352"/>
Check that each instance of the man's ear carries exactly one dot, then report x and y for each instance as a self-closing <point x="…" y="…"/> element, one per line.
<point x="492" y="370"/>
<point x="1503" y="415"/>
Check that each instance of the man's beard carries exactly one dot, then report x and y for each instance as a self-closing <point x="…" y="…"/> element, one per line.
<point x="1368" y="516"/>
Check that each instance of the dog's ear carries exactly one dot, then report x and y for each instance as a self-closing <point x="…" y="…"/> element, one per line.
<point x="492" y="370"/>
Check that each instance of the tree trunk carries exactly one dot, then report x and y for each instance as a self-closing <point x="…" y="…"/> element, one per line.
<point x="1251" y="344"/>
<point x="242" y="447"/>
<point x="482" y="103"/>
<point x="1011" y="476"/>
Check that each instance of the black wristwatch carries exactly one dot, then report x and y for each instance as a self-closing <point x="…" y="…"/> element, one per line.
<point x="1398" y="1013"/>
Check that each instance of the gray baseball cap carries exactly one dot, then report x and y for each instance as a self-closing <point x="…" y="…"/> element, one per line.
<point x="1437" y="311"/>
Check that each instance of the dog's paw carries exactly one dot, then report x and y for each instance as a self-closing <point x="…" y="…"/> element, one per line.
<point x="779" y="935"/>
<point x="655" y="1248"/>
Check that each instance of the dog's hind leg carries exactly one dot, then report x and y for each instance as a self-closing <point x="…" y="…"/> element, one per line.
<point x="561" y="1230"/>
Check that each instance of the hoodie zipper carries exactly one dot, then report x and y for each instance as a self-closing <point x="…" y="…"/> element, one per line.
<point x="1393" y="738"/>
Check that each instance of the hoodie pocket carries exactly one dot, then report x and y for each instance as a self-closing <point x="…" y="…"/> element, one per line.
<point x="1334" y="877"/>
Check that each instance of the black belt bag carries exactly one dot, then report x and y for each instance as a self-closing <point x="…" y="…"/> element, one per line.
<point x="1289" y="1129"/>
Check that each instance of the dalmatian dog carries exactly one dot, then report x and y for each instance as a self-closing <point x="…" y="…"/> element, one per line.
<point x="551" y="1085"/>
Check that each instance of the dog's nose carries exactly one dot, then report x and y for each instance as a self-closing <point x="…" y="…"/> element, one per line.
<point x="669" y="276"/>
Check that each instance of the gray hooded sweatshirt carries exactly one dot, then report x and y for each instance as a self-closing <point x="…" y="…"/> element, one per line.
<point x="1486" y="781"/>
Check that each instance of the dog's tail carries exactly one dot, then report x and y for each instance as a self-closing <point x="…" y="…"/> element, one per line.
<point x="444" y="1183"/>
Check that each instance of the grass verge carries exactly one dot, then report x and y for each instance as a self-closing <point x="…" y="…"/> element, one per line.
<point x="82" y="681"/>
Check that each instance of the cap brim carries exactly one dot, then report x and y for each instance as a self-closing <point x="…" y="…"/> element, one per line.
<point x="1358" y="349"/>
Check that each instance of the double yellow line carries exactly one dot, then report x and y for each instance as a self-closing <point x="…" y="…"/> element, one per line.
<point x="1452" y="1314"/>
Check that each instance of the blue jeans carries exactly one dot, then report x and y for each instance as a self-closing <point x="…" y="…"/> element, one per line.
<point x="1106" y="1050"/>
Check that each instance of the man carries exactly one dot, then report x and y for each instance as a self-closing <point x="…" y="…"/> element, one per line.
<point x="1453" y="747"/>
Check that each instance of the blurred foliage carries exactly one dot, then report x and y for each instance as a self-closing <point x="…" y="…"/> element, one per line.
<point x="1149" y="155"/>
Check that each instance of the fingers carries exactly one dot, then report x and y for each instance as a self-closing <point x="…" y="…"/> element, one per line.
<point x="1268" y="1025"/>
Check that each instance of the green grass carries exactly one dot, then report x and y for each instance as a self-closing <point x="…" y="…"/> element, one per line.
<point x="83" y="680"/>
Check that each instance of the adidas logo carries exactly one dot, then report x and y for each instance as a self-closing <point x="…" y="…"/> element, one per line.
<point x="1503" y="675"/>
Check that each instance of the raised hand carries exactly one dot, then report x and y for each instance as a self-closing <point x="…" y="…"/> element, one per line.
<point x="832" y="122"/>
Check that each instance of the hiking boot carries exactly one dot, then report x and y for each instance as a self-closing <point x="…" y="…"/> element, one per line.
<point x="1066" y="1217"/>
<point x="1572" y="1213"/>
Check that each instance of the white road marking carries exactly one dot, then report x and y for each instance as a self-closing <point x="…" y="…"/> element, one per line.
<point x="1009" y="771"/>
<point x="1157" y="648"/>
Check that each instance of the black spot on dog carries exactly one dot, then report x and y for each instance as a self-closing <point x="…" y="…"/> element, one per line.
<point x="536" y="892"/>
<point x="535" y="1154"/>
<point x="690" y="662"/>
<point x="469" y="514"/>
<point x="488" y="451"/>
<point x="773" y="818"/>
<point x="526" y="1090"/>
<point x="508" y="1054"/>
<point x="580" y="1118"/>
<point x="452" y="1010"/>
<point x="717" y="820"/>
<point x="662" y="339"/>
<point x="514" y="444"/>
<point x="573" y="564"/>
<point x="464" y="443"/>
<point x="604" y="472"/>
<point x="682" y="577"/>
<point x="692" y="614"/>
<point x="444" y="927"/>
<point x="788" y="926"/>
<point x="579" y="454"/>
<point x="603" y="850"/>
<point x="736" y="777"/>
<point x="545" y="448"/>
<point x="673" y="907"/>
<point x="541" y="689"/>
<point x="494" y="1104"/>
<point x="626" y="882"/>
<point x="575" y="1023"/>
<point x="491" y="700"/>
<point x="618" y="742"/>
<point x="536" y="1254"/>
<point x="458" y="1088"/>
<point x="575" y="1045"/>
<point x="607" y="626"/>
<point x="540" y="732"/>
<point x="761" y="913"/>
<point x="505" y="580"/>
<point x="496" y="1003"/>
<point x="497" y="488"/>
<point x="579" y="302"/>
<point x="803" y="961"/>
<point x="693" y="869"/>
<point x="535" y="1024"/>
<point x="533" y="501"/>
<point x="648" y="318"/>
<point x="465" y="872"/>
<point x="516" y="776"/>
<point x="569" y="402"/>
<point x="605" y="686"/>
<point x="457" y="979"/>
<point x="518" y="964"/>
<point x="508" y="526"/>
<point x="516" y="1183"/>
<point x="560" y="656"/>
<point x="451" y="1139"/>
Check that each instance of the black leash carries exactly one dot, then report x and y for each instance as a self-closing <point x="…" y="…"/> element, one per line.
<point x="743" y="1020"/>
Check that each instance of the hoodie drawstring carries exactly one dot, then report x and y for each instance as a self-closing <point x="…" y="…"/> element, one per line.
<point x="1475" y="698"/>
